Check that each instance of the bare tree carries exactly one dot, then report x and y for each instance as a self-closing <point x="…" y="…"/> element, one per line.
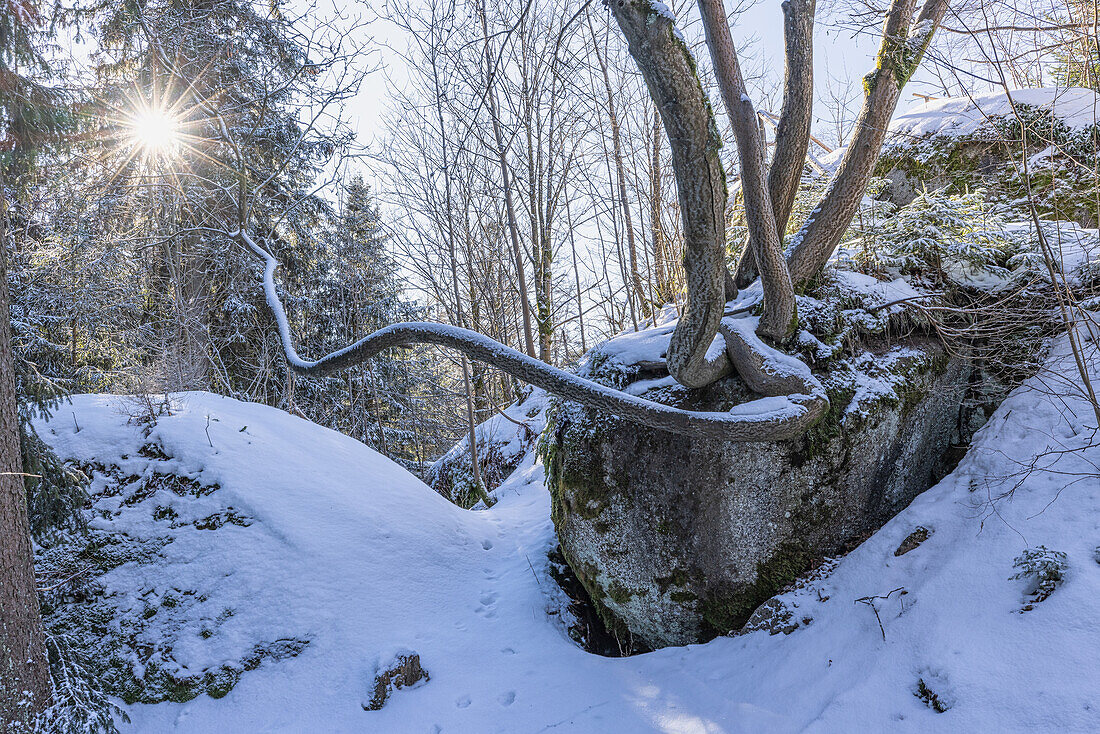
<point x="668" y="68"/>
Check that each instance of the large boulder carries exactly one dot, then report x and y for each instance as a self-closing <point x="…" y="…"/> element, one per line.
<point x="679" y="539"/>
<point x="964" y="143"/>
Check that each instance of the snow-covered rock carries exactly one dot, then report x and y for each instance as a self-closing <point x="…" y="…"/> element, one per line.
<point x="502" y="442"/>
<point x="967" y="143"/>
<point x="1075" y="107"/>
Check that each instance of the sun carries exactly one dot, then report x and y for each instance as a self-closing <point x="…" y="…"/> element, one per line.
<point x="155" y="131"/>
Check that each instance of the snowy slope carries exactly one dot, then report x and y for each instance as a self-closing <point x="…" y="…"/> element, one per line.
<point x="348" y="551"/>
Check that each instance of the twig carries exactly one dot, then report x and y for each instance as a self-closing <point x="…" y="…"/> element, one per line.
<point x="870" y="601"/>
<point x="532" y="569"/>
<point x="81" y="572"/>
<point x="498" y="409"/>
<point x="872" y="309"/>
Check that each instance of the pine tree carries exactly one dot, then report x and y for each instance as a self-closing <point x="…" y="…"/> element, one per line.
<point x="24" y="669"/>
<point x="231" y="74"/>
<point x="359" y="291"/>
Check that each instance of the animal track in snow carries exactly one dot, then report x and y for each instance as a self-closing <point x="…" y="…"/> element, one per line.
<point x="487" y="608"/>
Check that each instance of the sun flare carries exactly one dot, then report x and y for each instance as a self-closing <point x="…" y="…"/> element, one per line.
<point x="156" y="131"/>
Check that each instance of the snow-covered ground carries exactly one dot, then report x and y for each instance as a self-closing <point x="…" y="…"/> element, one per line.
<point x="344" y="549"/>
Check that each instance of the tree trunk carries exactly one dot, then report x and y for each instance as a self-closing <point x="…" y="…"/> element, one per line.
<point x="792" y="135"/>
<point x="779" y="304"/>
<point x="576" y="276"/>
<point x="899" y="56"/>
<point x="661" y="264"/>
<point x="669" y="72"/>
<point x="24" y="669"/>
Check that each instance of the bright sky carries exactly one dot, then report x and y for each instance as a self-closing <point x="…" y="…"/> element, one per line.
<point x="837" y="55"/>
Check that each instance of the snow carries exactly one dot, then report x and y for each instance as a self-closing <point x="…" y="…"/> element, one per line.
<point x="641" y="387"/>
<point x="663" y="11"/>
<point x="965" y="116"/>
<point x="647" y="346"/>
<point x="775" y="362"/>
<point x="348" y="550"/>
<point x="831" y="161"/>
<point x="883" y="291"/>
<point x="962" y="116"/>
<point x="1071" y="244"/>
<point x="508" y="433"/>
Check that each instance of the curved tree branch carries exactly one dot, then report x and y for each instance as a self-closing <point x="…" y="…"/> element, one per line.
<point x="796" y="400"/>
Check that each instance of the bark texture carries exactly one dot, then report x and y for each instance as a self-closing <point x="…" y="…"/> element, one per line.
<point x="764" y="239"/>
<point x="792" y="135"/>
<point x="24" y="670"/>
<point x="900" y="53"/>
<point x="669" y="73"/>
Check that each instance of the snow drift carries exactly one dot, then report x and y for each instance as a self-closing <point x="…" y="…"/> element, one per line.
<point x="341" y="549"/>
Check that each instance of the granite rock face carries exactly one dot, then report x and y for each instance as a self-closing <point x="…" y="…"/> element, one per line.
<point x="678" y="540"/>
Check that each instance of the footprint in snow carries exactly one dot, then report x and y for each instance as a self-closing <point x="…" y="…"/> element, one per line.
<point x="488" y="601"/>
<point x="487" y="544"/>
<point x="507" y="698"/>
<point x="462" y="702"/>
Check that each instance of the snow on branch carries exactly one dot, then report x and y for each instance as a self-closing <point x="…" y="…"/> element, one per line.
<point x="771" y="418"/>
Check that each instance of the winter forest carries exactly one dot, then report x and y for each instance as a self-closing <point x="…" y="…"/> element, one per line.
<point x="549" y="366"/>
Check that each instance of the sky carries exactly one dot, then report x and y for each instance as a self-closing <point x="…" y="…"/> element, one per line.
<point x="758" y="33"/>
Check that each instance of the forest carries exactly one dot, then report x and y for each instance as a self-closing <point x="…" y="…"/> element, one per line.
<point x="549" y="365"/>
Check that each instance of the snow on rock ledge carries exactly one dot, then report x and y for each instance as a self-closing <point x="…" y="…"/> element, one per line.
<point x="502" y="442"/>
<point x="964" y="143"/>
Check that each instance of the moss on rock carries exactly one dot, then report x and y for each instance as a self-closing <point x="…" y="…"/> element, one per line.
<point x="679" y="539"/>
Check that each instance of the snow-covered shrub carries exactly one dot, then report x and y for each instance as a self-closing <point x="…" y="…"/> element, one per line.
<point x="947" y="237"/>
<point x="1044" y="568"/>
<point x="78" y="707"/>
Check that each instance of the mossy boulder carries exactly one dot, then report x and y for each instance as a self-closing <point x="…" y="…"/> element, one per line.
<point x="978" y="145"/>
<point x="680" y="539"/>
